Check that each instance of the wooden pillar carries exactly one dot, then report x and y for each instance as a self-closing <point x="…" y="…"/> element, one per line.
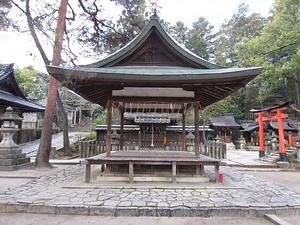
<point x="183" y="131"/>
<point x="88" y="172"/>
<point x="174" y="172"/>
<point x="130" y="172"/>
<point x="108" y="133"/>
<point x="261" y="135"/>
<point x="196" y="119"/>
<point x="122" y="130"/>
<point x="139" y="138"/>
<point x="282" y="151"/>
<point x="217" y="172"/>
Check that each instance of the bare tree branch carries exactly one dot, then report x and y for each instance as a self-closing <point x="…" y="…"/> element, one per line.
<point x="34" y="35"/>
<point x="93" y="14"/>
<point x="73" y="13"/>
<point x="15" y="4"/>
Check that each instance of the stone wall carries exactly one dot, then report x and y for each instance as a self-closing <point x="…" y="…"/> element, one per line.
<point x="26" y="135"/>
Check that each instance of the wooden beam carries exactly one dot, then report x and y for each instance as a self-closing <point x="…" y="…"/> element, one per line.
<point x="108" y="133"/>
<point x="183" y="130"/>
<point x="211" y="92"/>
<point x="150" y="99"/>
<point x="196" y="119"/>
<point x="122" y="129"/>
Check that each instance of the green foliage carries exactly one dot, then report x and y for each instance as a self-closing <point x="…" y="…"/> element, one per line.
<point x="129" y="24"/>
<point x="277" y="50"/>
<point x="101" y="120"/>
<point x="5" y="21"/>
<point x="223" y="107"/>
<point x="233" y="31"/>
<point x="217" y="109"/>
<point x="99" y="116"/>
<point x="91" y="136"/>
<point x="178" y="32"/>
<point x="199" y="38"/>
<point x="98" y="112"/>
<point x="31" y="83"/>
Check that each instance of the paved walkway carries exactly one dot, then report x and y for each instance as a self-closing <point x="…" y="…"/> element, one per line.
<point x="31" y="148"/>
<point x="63" y="191"/>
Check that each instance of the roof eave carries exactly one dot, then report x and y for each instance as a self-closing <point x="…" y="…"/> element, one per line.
<point x="111" y="74"/>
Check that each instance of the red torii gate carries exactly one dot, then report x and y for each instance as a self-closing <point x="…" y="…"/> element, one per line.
<point x="272" y="113"/>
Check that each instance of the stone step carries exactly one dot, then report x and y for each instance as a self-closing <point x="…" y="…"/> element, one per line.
<point x="148" y="178"/>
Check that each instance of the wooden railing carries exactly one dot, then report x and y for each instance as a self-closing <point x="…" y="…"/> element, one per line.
<point x="91" y="148"/>
<point x="216" y="150"/>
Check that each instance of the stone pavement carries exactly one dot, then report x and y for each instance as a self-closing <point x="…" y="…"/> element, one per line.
<point x="249" y="159"/>
<point x="31" y="148"/>
<point x="63" y="191"/>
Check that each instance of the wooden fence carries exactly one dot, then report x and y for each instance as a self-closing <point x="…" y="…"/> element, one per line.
<point x="216" y="150"/>
<point x="87" y="149"/>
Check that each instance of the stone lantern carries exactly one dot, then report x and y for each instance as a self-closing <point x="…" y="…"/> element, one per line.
<point x="240" y="143"/>
<point x="268" y="144"/>
<point x="298" y="146"/>
<point x="8" y="128"/>
<point x="217" y="138"/>
<point x="274" y="142"/>
<point x="190" y="141"/>
<point x="115" y="137"/>
<point x="11" y="156"/>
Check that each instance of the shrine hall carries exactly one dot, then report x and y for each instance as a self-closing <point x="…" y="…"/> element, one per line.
<point x="153" y="74"/>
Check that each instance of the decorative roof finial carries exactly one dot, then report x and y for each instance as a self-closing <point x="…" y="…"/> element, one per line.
<point x="154" y="6"/>
<point x="154" y="16"/>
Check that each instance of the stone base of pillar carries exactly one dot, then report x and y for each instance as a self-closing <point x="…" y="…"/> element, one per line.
<point x="283" y="165"/>
<point x="261" y="153"/>
<point x="13" y="159"/>
<point x="298" y="153"/>
<point x="283" y="157"/>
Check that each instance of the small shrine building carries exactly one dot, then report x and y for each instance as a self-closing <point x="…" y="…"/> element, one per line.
<point x="153" y="74"/>
<point x="11" y="95"/>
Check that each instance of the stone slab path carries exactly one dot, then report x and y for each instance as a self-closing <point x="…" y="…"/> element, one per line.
<point x="65" y="192"/>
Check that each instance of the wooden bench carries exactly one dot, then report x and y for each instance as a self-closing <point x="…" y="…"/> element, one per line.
<point x="132" y="158"/>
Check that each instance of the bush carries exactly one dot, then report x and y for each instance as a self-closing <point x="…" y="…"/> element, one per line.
<point x="91" y="136"/>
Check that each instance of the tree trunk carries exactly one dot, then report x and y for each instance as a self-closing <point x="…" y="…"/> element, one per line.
<point x="297" y="98"/>
<point x="43" y="154"/>
<point x="47" y="62"/>
<point x="64" y="121"/>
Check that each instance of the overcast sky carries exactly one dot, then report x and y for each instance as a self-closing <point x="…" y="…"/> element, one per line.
<point x="21" y="50"/>
<point x="215" y="11"/>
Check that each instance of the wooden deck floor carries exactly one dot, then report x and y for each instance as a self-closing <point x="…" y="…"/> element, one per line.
<point x="155" y="154"/>
<point x="173" y="158"/>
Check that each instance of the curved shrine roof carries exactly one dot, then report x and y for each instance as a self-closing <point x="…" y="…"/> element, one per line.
<point x="11" y="95"/>
<point x="153" y="73"/>
<point x="224" y="121"/>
